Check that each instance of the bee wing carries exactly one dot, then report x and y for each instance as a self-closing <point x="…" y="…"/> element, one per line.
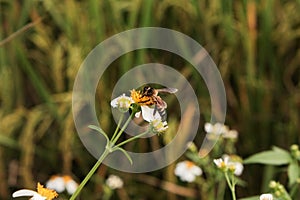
<point x="161" y="104"/>
<point x="167" y="90"/>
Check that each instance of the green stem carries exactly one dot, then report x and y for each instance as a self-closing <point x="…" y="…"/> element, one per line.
<point x="231" y="184"/>
<point x="91" y="172"/>
<point x="122" y="129"/>
<point x="131" y="139"/>
<point x="118" y="127"/>
<point x="221" y="190"/>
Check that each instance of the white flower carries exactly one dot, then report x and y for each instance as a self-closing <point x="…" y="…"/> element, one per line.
<point x="222" y="164"/>
<point x="41" y="194"/>
<point x="230" y="134"/>
<point x="266" y="197"/>
<point x="216" y="128"/>
<point x="62" y="183"/>
<point x="71" y="186"/>
<point x="239" y="167"/>
<point x="235" y="162"/>
<point x="56" y="183"/>
<point x="187" y="171"/>
<point x="157" y="126"/>
<point x="220" y="129"/>
<point x="122" y="102"/>
<point x="114" y="182"/>
<point x="232" y="163"/>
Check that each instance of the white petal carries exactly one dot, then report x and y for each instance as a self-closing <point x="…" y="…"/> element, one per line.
<point x="266" y="197"/>
<point x="24" y="193"/>
<point x="188" y="177"/>
<point x="180" y="169"/>
<point x="38" y="197"/>
<point x="239" y="167"/>
<point x="149" y="114"/>
<point x="114" y="182"/>
<point x="219" y="128"/>
<point x="196" y="170"/>
<point x="71" y="186"/>
<point x="187" y="173"/>
<point x="226" y="160"/>
<point x="231" y="134"/>
<point x="121" y="101"/>
<point x="56" y="184"/>
<point x="208" y="127"/>
<point x="138" y="114"/>
<point x="28" y="193"/>
<point x="218" y="162"/>
<point x="114" y="102"/>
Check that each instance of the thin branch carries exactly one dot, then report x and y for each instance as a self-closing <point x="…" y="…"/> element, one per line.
<point x="20" y="31"/>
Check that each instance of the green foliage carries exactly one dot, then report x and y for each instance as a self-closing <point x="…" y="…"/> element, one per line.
<point x="276" y="156"/>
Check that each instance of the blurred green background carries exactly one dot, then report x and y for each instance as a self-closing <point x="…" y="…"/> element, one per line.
<point x="255" y="44"/>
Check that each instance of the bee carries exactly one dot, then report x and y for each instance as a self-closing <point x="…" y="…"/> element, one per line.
<point x="148" y="96"/>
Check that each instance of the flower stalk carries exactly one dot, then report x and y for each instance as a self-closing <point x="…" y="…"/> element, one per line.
<point x="123" y="103"/>
<point x="91" y="172"/>
<point x="231" y="184"/>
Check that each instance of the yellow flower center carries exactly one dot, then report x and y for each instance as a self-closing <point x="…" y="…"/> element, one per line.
<point x="135" y="95"/>
<point x="67" y="178"/>
<point x="189" y="164"/>
<point x="223" y="165"/>
<point x="49" y="194"/>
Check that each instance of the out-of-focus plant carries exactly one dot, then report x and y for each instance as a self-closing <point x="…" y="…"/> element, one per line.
<point x="219" y="167"/>
<point x="288" y="161"/>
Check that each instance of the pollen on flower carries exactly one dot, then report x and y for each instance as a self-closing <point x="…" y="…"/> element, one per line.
<point x="49" y="194"/>
<point x="135" y="95"/>
<point x="67" y="178"/>
<point x="189" y="164"/>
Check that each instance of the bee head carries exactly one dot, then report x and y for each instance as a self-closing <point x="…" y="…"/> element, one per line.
<point x="148" y="91"/>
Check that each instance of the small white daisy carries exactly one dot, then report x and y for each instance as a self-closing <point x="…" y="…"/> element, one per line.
<point x="70" y="184"/>
<point x="122" y="102"/>
<point x="232" y="163"/>
<point x="235" y="162"/>
<point x="216" y="128"/>
<point x="187" y="171"/>
<point x="230" y="134"/>
<point x="41" y="194"/>
<point x="266" y="197"/>
<point x="222" y="163"/>
<point x="157" y="126"/>
<point x="62" y="183"/>
<point x="56" y="183"/>
<point x="114" y="182"/>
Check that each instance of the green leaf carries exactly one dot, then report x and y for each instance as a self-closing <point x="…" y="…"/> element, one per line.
<point x="126" y="154"/>
<point x="96" y="128"/>
<point x="280" y="150"/>
<point x="293" y="172"/>
<point x="273" y="157"/>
